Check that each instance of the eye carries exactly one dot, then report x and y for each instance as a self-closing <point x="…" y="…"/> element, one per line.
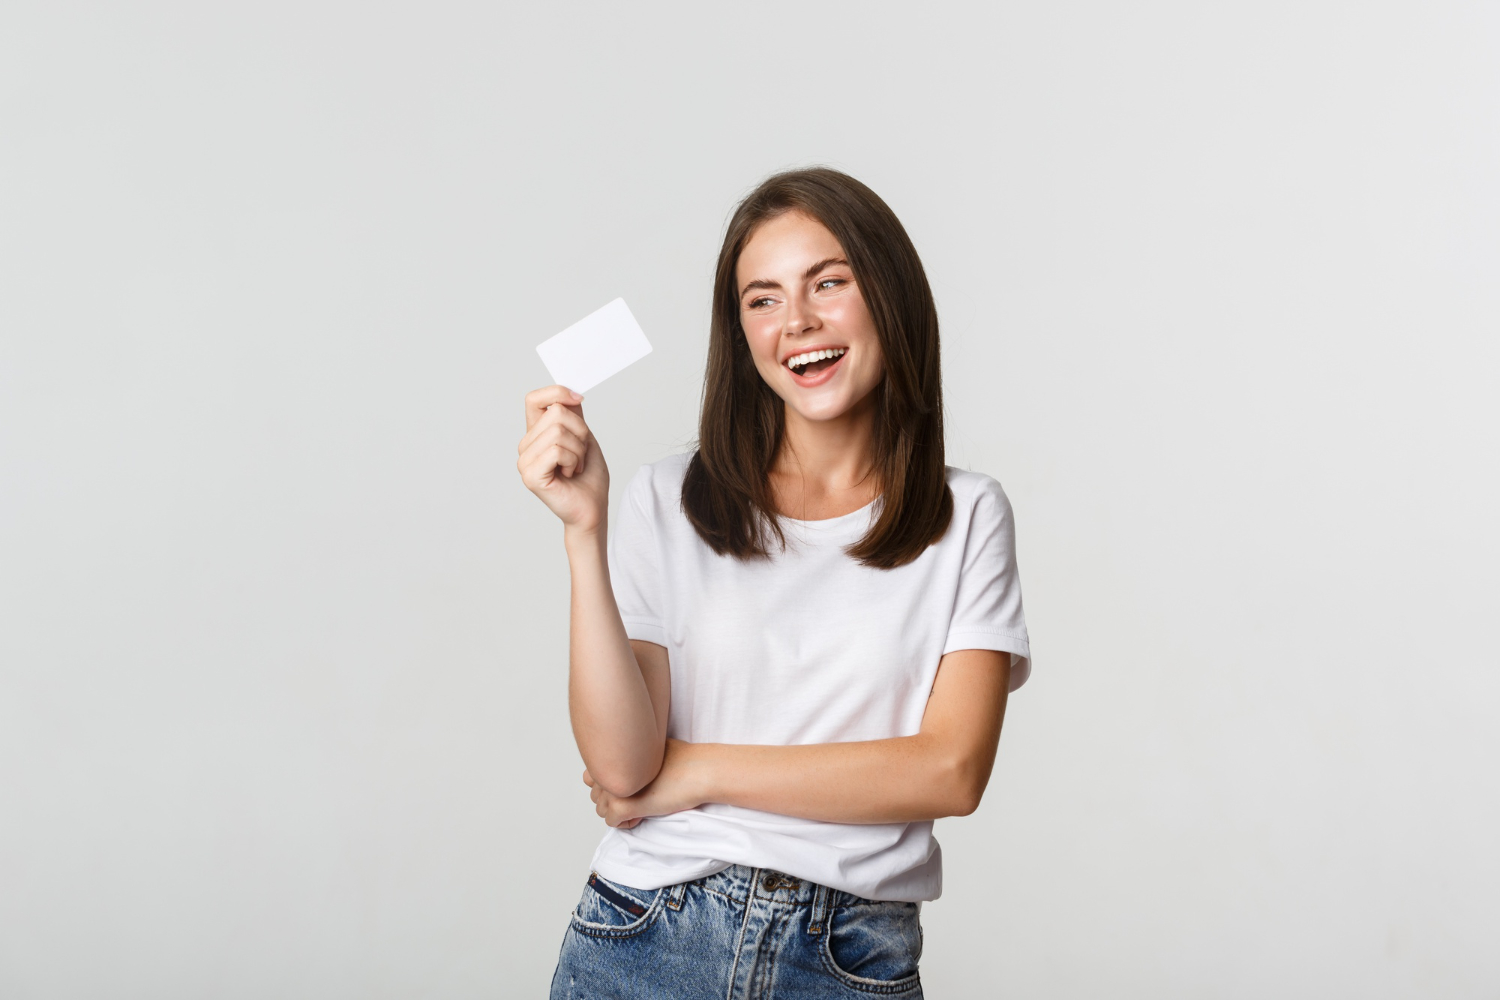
<point x="757" y="303"/>
<point x="830" y="282"/>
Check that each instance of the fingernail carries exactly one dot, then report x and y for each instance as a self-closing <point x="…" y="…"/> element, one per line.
<point x="577" y="396"/>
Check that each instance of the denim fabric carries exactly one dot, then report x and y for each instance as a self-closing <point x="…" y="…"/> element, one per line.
<point x="743" y="934"/>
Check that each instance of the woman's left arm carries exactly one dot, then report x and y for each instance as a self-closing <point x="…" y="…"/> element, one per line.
<point x="941" y="771"/>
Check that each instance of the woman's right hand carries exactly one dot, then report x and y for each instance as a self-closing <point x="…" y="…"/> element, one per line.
<point x="560" y="460"/>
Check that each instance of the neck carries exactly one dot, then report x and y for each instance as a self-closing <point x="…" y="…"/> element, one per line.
<point x="826" y="467"/>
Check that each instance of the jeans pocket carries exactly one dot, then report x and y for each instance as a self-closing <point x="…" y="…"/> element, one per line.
<point x="874" y="946"/>
<point x="612" y="909"/>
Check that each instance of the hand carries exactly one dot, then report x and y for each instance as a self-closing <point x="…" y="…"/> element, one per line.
<point x="679" y="785"/>
<point x="560" y="460"/>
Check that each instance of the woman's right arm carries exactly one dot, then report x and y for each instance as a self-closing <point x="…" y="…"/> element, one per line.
<point x="618" y="689"/>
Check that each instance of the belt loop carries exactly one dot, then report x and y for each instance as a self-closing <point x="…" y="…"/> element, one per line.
<point x="674" y="898"/>
<point x="820" y="908"/>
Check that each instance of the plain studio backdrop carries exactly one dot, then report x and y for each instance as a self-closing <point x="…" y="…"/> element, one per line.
<point x="283" y="638"/>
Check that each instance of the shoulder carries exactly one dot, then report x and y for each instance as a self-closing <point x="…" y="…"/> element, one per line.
<point x="656" y="488"/>
<point x="977" y="494"/>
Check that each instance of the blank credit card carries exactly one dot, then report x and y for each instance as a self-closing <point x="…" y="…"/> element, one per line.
<point x="594" y="348"/>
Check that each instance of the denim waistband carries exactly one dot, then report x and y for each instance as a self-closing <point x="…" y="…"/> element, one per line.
<point x="745" y="884"/>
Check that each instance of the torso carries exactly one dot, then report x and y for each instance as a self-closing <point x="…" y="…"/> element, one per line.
<point x="806" y="646"/>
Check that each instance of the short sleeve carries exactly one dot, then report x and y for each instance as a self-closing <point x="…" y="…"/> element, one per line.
<point x="635" y="569"/>
<point x="987" y="611"/>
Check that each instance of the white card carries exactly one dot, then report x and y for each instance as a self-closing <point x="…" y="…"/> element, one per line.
<point x="594" y="348"/>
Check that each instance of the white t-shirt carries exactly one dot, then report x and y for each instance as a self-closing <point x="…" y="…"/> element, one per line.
<point x="806" y="647"/>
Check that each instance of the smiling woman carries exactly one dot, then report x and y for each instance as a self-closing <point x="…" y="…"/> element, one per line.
<point x="788" y="284"/>
<point x="795" y="650"/>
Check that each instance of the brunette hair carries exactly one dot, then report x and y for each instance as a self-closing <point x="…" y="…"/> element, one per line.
<point x="727" y="492"/>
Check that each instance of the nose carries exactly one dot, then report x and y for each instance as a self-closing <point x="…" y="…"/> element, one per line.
<point x="800" y="316"/>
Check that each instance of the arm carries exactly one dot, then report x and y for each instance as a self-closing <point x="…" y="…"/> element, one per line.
<point x="941" y="771"/>
<point x="617" y="689"/>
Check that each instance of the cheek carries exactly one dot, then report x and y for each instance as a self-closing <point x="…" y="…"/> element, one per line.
<point x="762" y="336"/>
<point x="853" y="317"/>
<point x="859" y="327"/>
<point x="871" y="358"/>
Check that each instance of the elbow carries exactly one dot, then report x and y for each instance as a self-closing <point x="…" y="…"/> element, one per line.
<point x="621" y="782"/>
<point x="622" y="779"/>
<point x="621" y="785"/>
<point x="966" y="800"/>
<point x="963" y="786"/>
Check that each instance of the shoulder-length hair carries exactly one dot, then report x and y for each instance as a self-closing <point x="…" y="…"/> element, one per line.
<point x="727" y="492"/>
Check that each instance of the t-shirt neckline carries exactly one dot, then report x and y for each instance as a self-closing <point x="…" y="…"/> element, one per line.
<point x="852" y="523"/>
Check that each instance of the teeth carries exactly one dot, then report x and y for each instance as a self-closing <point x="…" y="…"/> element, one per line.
<point x="797" y="361"/>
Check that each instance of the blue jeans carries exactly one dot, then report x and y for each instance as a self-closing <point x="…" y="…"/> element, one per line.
<point x="741" y="934"/>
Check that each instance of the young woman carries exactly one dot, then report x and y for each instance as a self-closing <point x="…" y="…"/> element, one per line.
<point x="794" y="653"/>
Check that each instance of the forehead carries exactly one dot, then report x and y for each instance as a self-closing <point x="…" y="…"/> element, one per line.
<point x="785" y="245"/>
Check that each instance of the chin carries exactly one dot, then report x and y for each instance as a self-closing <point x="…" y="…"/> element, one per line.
<point x="822" y="410"/>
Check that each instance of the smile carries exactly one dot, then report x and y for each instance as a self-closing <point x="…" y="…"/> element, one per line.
<point x="815" y="367"/>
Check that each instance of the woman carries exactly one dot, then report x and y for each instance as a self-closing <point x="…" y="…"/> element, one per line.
<point x="794" y="653"/>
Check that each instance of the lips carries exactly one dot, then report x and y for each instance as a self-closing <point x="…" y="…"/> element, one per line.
<point x="817" y="378"/>
<point x="812" y="355"/>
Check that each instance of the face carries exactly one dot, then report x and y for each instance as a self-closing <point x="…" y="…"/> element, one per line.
<point x="809" y="331"/>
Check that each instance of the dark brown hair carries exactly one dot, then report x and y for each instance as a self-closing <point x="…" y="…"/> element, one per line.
<point x="727" y="492"/>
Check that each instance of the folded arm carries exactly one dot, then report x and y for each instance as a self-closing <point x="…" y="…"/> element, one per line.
<point x="941" y="771"/>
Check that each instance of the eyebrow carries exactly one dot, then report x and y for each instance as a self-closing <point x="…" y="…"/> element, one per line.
<point x="820" y="265"/>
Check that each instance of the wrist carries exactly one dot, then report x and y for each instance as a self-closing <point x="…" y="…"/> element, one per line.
<point x="583" y="540"/>
<point x="704" y="767"/>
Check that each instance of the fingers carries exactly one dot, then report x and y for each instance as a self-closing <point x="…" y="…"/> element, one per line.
<point x="540" y="467"/>
<point x="556" y="415"/>
<point x="604" y="805"/>
<point x="538" y="400"/>
<point x="605" y="811"/>
<point x="607" y="808"/>
<point x="555" y="451"/>
<point x="557" y="425"/>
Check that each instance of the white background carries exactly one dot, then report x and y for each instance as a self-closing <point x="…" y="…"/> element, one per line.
<point x="282" y="637"/>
